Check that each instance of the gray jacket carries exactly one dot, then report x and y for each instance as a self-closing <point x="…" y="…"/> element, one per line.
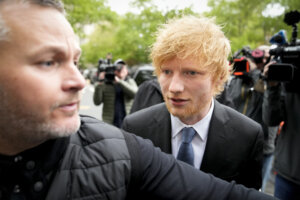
<point x="284" y="106"/>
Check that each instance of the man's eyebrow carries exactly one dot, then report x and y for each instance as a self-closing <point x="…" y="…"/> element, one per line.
<point x="54" y="50"/>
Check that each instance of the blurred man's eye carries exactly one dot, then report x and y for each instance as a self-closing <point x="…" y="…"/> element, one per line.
<point x="166" y="71"/>
<point x="190" y="73"/>
<point x="49" y="63"/>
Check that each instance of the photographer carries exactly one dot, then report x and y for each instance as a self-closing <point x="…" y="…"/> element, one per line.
<point x="116" y="90"/>
<point x="282" y="103"/>
<point x="246" y="90"/>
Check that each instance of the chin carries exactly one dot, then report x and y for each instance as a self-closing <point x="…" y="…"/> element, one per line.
<point x="64" y="127"/>
<point x="176" y="111"/>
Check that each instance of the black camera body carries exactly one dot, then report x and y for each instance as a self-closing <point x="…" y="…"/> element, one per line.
<point x="287" y="57"/>
<point x="288" y="62"/>
<point x="109" y="69"/>
<point x="241" y="65"/>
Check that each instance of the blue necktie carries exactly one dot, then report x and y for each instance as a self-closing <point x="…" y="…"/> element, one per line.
<point x="186" y="152"/>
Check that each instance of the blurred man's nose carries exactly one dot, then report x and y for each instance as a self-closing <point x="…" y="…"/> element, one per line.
<point x="73" y="79"/>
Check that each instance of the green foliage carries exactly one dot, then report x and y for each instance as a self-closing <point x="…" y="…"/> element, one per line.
<point x="101" y="41"/>
<point x="83" y="12"/>
<point x="289" y="4"/>
<point x="244" y="22"/>
<point x="129" y="36"/>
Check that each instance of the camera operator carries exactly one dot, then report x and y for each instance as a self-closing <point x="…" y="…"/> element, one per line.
<point x="245" y="91"/>
<point x="116" y="90"/>
<point x="282" y="103"/>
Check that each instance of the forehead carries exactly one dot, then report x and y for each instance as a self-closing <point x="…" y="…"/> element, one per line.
<point x="188" y="63"/>
<point x="33" y="24"/>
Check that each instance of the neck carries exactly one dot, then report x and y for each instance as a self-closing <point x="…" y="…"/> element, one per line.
<point x="13" y="147"/>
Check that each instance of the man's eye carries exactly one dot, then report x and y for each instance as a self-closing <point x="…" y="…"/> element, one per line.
<point x="49" y="63"/>
<point x="166" y="71"/>
<point x="191" y="73"/>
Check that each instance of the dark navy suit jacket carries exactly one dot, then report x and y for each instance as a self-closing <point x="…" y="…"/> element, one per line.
<point x="234" y="148"/>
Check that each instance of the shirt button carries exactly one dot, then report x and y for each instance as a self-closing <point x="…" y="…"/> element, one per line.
<point x="30" y="165"/>
<point x="18" y="158"/>
<point x="17" y="189"/>
<point x="38" y="186"/>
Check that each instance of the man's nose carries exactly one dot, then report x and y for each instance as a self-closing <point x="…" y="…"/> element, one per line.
<point x="73" y="79"/>
<point x="176" y="84"/>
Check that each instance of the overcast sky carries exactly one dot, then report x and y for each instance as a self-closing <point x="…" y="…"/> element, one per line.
<point x="122" y="6"/>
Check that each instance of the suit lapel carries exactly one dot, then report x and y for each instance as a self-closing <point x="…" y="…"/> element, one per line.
<point x="215" y="151"/>
<point x="161" y="128"/>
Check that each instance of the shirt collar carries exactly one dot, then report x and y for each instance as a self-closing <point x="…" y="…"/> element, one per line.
<point x="201" y="126"/>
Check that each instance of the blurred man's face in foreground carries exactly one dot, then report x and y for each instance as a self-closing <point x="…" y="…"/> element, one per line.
<point x="39" y="80"/>
<point x="187" y="89"/>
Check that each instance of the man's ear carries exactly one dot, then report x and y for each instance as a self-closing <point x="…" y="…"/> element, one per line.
<point x="220" y="80"/>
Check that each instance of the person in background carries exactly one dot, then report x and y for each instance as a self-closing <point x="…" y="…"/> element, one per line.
<point x="190" y="58"/>
<point x="148" y="94"/>
<point x="246" y="92"/>
<point x="282" y="105"/>
<point x="48" y="151"/>
<point x="116" y="90"/>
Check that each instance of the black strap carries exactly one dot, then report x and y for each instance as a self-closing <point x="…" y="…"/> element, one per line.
<point x="132" y="146"/>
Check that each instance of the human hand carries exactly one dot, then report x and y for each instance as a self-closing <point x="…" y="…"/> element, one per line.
<point x="265" y="74"/>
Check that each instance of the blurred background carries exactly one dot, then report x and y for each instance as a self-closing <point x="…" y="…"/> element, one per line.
<point x="126" y="28"/>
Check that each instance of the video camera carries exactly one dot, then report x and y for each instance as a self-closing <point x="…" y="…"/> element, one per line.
<point x="287" y="56"/>
<point x="109" y="69"/>
<point x="241" y="65"/>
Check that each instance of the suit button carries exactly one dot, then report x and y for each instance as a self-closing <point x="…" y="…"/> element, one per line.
<point x="18" y="159"/>
<point x="30" y="165"/>
<point x="38" y="186"/>
<point x="16" y="189"/>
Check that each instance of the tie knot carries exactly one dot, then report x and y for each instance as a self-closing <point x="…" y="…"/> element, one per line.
<point x="188" y="134"/>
